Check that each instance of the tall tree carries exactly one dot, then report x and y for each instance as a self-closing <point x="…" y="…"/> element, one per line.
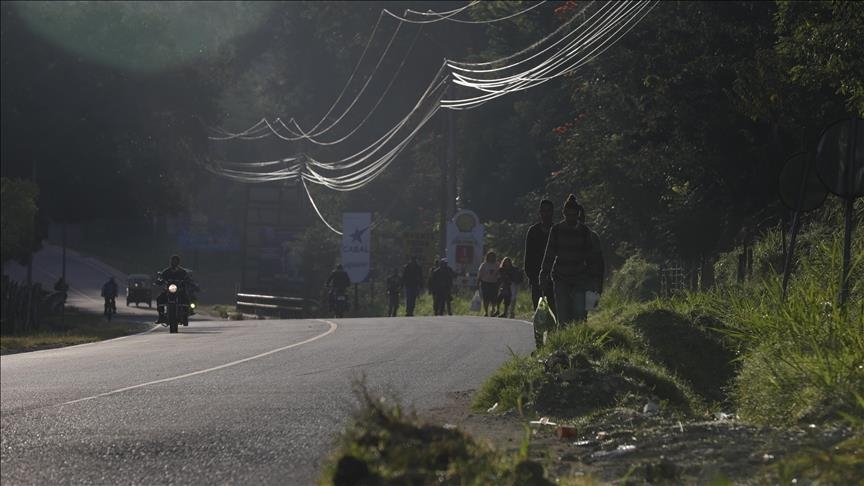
<point x="17" y="218"/>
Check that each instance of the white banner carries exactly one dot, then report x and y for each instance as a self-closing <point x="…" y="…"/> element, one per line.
<point x="356" y="245"/>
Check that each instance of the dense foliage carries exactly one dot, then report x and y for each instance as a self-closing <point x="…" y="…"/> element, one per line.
<point x="17" y="218"/>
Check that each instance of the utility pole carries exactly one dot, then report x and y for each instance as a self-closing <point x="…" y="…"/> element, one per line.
<point x="63" y="276"/>
<point x="448" y="179"/>
<point x="451" y="165"/>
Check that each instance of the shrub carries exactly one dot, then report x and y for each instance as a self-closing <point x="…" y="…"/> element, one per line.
<point x="636" y="280"/>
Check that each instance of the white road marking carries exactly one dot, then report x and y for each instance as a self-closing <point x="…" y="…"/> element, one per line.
<point x="333" y="327"/>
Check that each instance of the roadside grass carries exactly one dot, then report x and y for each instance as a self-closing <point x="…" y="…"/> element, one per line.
<point x="461" y="304"/>
<point x="800" y="359"/>
<point x="385" y="444"/>
<point x="772" y="360"/>
<point x="603" y="363"/>
<point x="77" y="328"/>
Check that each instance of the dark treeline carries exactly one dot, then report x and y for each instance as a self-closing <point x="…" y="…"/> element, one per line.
<point x="673" y="139"/>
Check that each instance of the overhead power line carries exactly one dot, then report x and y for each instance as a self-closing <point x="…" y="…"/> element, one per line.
<point x="540" y="62"/>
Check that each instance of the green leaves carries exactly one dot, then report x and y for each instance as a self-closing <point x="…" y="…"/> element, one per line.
<point x="820" y="45"/>
<point x="17" y="218"/>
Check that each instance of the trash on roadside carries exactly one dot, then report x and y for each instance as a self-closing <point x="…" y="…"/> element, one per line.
<point x="492" y="408"/>
<point x="565" y="431"/>
<point x="543" y="421"/>
<point x="619" y="451"/>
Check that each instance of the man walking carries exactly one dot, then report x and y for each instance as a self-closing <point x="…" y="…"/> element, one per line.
<point x="535" y="247"/>
<point x="574" y="261"/>
<point x="412" y="278"/>
<point x="440" y="286"/>
<point x="394" y="285"/>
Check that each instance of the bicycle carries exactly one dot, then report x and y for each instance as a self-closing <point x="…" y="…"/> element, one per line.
<point x="110" y="307"/>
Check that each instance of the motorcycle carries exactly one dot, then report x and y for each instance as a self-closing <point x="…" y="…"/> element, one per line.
<point x="177" y="306"/>
<point x="339" y="303"/>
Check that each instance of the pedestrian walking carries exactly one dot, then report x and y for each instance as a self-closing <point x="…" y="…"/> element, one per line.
<point x="535" y="247"/>
<point x="505" y="290"/>
<point x="441" y="286"/>
<point x="412" y="279"/>
<point x="394" y="285"/>
<point x="517" y="275"/>
<point x="487" y="282"/>
<point x="574" y="262"/>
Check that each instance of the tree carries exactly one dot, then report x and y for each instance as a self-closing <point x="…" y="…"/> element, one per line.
<point x="649" y="146"/>
<point x="820" y="44"/>
<point x="18" y="227"/>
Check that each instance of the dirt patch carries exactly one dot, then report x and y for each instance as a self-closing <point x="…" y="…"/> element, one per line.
<point x="654" y="448"/>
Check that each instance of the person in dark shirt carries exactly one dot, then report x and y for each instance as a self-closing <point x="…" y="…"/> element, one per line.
<point x="535" y="247"/>
<point x="62" y="288"/>
<point x="574" y="262"/>
<point x="337" y="283"/>
<point x="412" y="278"/>
<point x="505" y="287"/>
<point x="176" y="273"/>
<point x="109" y="293"/>
<point x="394" y="286"/>
<point x="441" y="286"/>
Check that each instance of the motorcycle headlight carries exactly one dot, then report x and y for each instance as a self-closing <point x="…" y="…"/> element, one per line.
<point x="172" y="288"/>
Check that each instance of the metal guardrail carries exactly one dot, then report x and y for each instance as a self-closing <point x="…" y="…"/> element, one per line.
<point x="275" y="305"/>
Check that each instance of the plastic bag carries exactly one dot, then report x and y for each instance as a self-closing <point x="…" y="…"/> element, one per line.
<point x="475" y="302"/>
<point x="544" y="321"/>
<point x="591" y="299"/>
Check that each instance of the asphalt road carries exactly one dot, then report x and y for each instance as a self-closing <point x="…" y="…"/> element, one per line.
<point x="227" y="402"/>
<point x="85" y="276"/>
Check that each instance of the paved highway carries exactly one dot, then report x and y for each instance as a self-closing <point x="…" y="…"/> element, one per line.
<point x="227" y="402"/>
<point x="85" y="276"/>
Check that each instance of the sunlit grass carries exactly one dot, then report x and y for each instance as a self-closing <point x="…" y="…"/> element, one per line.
<point x="802" y="356"/>
<point x="461" y="304"/>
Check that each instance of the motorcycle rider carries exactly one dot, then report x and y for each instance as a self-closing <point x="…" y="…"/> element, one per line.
<point x="173" y="272"/>
<point x="338" y="283"/>
<point x="109" y="293"/>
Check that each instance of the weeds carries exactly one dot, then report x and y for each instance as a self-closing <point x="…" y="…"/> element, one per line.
<point x="387" y="445"/>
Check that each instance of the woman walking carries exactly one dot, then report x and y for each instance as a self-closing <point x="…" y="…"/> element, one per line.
<point x="487" y="281"/>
